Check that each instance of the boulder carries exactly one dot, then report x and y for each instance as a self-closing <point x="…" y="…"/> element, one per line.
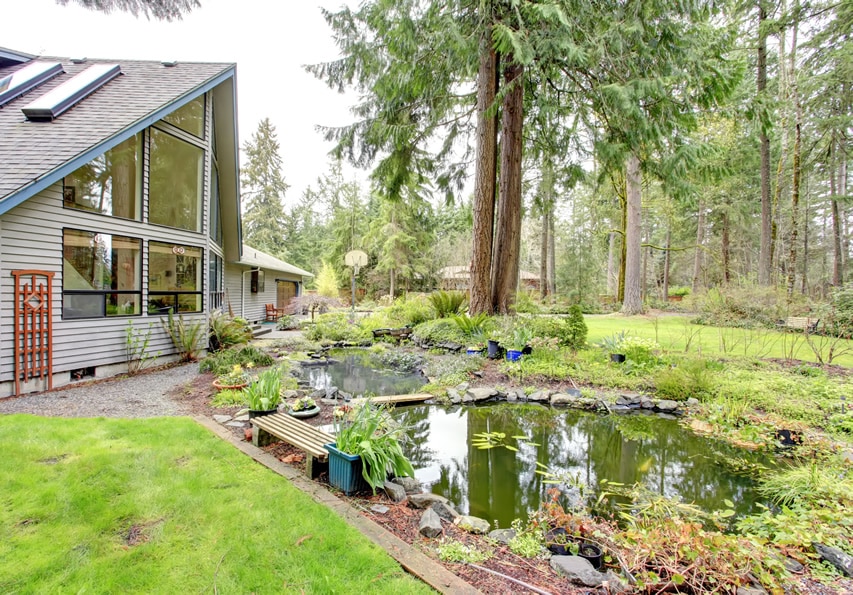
<point x="667" y="405"/>
<point x="462" y="387"/>
<point x="578" y="570"/>
<point x="647" y="403"/>
<point x="473" y="524"/>
<point x="289" y="394"/>
<point x="331" y="392"/>
<point x="539" y="396"/>
<point x="221" y="419"/>
<point x="623" y="401"/>
<point x="396" y="492"/>
<point x="632" y="398"/>
<point x="691" y="402"/>
<point x="430" y="524"/>
<point x="454" y="396"/>
<point x="479" y="394"/>
<point x="426" y="500"/>
<point x="410" y="484"/>
<point x="562" y="399"/>
<point x="445" y="511"/>
<point x="502" y="535"/>
<point x="836" y="557"/>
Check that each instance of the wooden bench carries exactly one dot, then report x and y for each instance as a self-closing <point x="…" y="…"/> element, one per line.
<point x="799" y="323"/>
<point x="303" y="436"/>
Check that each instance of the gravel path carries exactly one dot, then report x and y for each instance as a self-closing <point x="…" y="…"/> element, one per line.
<point x="145" y="395"/>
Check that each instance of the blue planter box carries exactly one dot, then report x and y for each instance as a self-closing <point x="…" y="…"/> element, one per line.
<point x="345" y="471"/>
<point x="512" y="355"/>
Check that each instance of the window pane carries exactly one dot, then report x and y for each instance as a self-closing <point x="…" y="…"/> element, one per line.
<point x="174" y="268"/>
<point x="175" y="182"/>
<point x="161" y="304"/>
<point x="109" y="184"/>
<point x="189" y="302"/>
<point x="215" y="224"/>
<point x="189" y="118"/>
<point x="82" y="305"/>
<point x="123" y="304"/>
<point x="97" y="261"/>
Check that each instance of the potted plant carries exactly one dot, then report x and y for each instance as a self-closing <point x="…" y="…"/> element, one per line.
<point x="236" y="379"/>
<point x="264" y="394"/>
<point x="592" y="553"/>
<point x="366" y="448"/>
<point x="303" y="408"/>
<point x="518" y="343"/>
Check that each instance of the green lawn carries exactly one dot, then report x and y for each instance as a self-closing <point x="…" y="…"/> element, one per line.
<point x="678" y="334"/>
<point x="162" y="505"/>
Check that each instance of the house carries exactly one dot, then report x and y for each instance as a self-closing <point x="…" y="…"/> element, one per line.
<point x="258" y="279"/>
<point x="119" y="201"/>
<point x="459" y="277"/>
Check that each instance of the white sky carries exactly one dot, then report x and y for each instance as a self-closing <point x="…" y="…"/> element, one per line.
<point x="269" y="40"/>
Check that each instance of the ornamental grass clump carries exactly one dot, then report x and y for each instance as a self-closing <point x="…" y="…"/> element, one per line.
<point x="264" y="394"/>
<point x="372" y="434"/>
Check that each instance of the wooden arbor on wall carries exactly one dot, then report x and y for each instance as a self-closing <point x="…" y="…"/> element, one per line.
<point x="33" y="327"/>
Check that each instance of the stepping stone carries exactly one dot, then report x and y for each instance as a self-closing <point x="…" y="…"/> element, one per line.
<point x="221" y="419"/>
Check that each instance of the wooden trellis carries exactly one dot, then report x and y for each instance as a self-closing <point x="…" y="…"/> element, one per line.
<point x="33" y="327"/>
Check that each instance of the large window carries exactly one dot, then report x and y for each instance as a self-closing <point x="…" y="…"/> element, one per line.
<point x="175" y="182"/>
<point x="110" y="184"/>
<point x="174" y="278"/>
<point x="101" y="275"/>
<point x="215" y="224"/>
<point x="214" y="280"/>
<point x="189" y="118"/>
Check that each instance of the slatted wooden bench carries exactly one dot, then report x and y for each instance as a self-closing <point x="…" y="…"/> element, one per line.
<point x="799" y="323"/>
<point x="303" y="436"/>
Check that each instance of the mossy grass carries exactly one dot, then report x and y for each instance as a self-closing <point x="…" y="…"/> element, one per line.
<point x="162" y="505"/>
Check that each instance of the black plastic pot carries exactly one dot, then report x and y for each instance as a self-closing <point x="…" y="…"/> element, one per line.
<point x="494" y="350"/>
<point x="591" y="552"/>
<point x="557" y="541"/>
<point x="617" y="358"/>
<point x="253" y="413"/>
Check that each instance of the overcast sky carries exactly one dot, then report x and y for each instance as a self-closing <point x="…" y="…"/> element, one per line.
<point x="269" y="40"/>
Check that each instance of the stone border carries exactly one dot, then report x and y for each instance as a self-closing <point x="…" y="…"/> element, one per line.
<point x="413" y="561"/>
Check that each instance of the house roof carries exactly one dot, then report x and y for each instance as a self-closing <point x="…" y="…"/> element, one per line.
<point x="34" y="155"/>
<point x="255" y="258"/>
<point x="463" y="273"/>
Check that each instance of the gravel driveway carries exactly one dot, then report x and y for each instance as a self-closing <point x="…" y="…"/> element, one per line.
<point x="144" y="395"/>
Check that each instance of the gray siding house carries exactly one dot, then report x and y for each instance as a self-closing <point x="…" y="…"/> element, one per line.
<point x="119" y="201"/>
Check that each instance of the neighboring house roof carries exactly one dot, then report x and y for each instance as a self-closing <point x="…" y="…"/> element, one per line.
<point x="463" y="273"/>
<point x="253" y="257"/>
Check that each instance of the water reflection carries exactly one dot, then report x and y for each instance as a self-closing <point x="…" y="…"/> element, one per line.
<point x="360" y="372"/>
<point x="500" y="485"/>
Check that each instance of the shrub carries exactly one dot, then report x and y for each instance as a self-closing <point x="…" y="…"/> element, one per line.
<point x="440" y="330"/>
<point x="746" y="306"/>
<point x="223" y="362"/>
<point x="327" y="281"/>
<point x="335" y="326"/>
<point x="573" y="330"/>
<point x="690" y="378"/>
<point x="226" y="331"/>
<point x="639" y="350"/>
<point x="187" y="337"/>
<point x="313" y="304"/>
<point x="837" y="316"/>
<point x="410" y="310"/>
<point x="525" y="303"/>
<point x="446" y="303"/>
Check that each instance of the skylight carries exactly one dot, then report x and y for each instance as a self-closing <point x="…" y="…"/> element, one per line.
<point x="26" y="78"/>
<point x="55" y="102"/>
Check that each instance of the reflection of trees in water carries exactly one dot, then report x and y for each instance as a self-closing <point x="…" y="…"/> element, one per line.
<point x="416" y="446"/>
<point x="362" y="373"/>
<point x="453" y="484"/>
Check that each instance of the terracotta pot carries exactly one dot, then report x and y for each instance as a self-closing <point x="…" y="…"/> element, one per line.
<point x="220" y="386"/>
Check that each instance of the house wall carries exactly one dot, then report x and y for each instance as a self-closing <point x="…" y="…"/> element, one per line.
<point x="244" y="303"/>
<point x="32" y="239"/>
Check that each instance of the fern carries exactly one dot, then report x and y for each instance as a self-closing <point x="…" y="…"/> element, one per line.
<point x="447" y="303"/>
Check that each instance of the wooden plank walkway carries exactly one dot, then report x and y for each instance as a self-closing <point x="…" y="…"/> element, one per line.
<point x="294" y="431"/>
<point x="393" y="399"/>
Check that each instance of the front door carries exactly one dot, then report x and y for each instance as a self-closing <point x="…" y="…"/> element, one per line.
<point x="285" y="291"/>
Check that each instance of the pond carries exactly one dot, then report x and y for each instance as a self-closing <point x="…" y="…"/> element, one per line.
<point x="360" y="372"/>
<point x="500" y="485"/>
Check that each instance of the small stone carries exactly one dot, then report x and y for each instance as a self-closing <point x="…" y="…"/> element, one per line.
<point x="426" y="500"/>
<point x="647" y="404"/>
<point x="667" y="405"/>
<point x="430" y="524"/>
<point x="462" y="387"/>
<point x="836" y="557"/>
<point x="379" y="509"/>
<point x="244" y="417"/>
<point x="502" y="535"/>
<point x="396" y="492"/>
<point x="691" y="402"/>
<point x="751" y="591"/>
<point x="480" y="394"/>
<point x="578" y="570"/>
<point x="331" y="392"/>
<point x="512" y="396"/>
<point x="562" y="399"/>
<point x="410" y="484"/>
<point x="793" y="566"/>
<point x="632" y="398"/>
<point x="473" y="524"/>
<point x="539" y="396"/>
<point x="221" y="419"/>
<point x="290" y="394"/>
<point x="445" y="511"/>
<point x="621" y="400"/>
<point x="235" y="424"/>
<point x="454" y="396"/>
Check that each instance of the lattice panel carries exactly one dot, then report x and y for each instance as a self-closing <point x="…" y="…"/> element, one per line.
<point x="33" y="327"/>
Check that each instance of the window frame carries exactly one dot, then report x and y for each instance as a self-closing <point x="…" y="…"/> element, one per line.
<point x="175" y="294"/>
<point x="171" y="131"/>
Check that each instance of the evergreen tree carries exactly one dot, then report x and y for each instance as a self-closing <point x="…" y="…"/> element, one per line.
<point x="264" y="186"/>
<point x="165" y="10"/>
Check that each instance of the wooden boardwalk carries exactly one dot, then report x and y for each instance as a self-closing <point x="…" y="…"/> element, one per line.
<point x="394" y="399"/>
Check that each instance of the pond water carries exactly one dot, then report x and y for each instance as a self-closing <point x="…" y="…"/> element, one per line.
<point x="500" y="485"/>
<point x="360" y="372"/>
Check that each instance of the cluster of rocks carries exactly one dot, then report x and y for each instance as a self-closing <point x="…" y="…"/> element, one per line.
<point x="438" y="509"/>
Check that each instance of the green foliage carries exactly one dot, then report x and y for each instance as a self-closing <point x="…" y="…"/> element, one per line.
<point x="335" y="326"/>
<point x="679" y="291"/>
<point x="447" y="303"/>
<point x="638" y="350"/>
<point x="525" y="303"/>
<point x="287" y="323"/>
<point x="528" y="539"/>
<point x="689" y="379"/>
<point x="746" y="306"/>
<point x="327" y="281"/>
<point x="223" y="362"/>
<point x="187" y="337"/>
<point x="375" y="437"/>
<point x="451" y="550"/>
<point x="521" y="336"/>
<point x="813" y="483"/>
<point x="136" y="348"/>
<point x="264" y="394"/>
<point x="473" y="326"/>
<point x="573" y="331"/>
<point x="226" y="331"/>
<point x="229" y="398"/>
<point x="440" y="330"/>
<point x="841" y="423"/>
<point x="613" y="343"/>
<point x="450" y="370"/>
<point x="408" y="310"/>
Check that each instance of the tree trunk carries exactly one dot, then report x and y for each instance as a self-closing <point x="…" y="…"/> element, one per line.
<point x="633" y="302"/>
<point x="764" y="253"/>
<point x="552" y="256"/>
<point x="393" y="283"/>
<point x="783" y="97"/>
<point x="700" y="238"/>
<point x="612" y="275"/>
<point x="543" y="256"/>
<point x="805" y="283"/>
<point x="795" y="181"/>
<point x="725" y="246"/>
<point x="837" y="263"/>
<point x="620" y="288"/>
<point x="484" y="185"/>
<point x="508" y="237"/>
<point x="666" y="262"/>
